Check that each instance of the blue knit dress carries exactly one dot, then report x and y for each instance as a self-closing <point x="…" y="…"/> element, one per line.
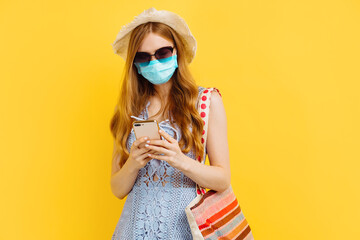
<point x="156" y="209"/>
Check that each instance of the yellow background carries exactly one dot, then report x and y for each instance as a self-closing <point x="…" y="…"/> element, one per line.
<point x="289" y="75"/>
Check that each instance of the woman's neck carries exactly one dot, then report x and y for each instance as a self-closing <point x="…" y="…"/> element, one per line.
<point x="163" y="90"/>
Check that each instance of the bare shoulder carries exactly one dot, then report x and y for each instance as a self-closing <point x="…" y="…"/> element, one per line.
<point x="215" y="95"/>
<point x="216" y="106"/>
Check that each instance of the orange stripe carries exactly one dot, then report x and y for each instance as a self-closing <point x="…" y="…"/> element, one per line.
<point x="244" y="233"/>
<point x="220" y="224"/>
<point x="239" y="228"/>
<point x="219" y="215"/>
<point x="210" y="206"/>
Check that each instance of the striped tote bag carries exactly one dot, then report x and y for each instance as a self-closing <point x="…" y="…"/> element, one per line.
<point x="215" y="215"/>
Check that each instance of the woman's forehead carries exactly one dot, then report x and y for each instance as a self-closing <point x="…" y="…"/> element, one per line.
<point x="152" y="42"/>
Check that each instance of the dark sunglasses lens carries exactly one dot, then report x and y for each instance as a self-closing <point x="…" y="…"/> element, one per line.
<point x="164" y="53"/>
<point x="141" y="57"/>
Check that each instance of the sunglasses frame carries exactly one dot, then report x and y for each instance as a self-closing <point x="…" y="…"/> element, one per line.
<point x="156" y="52"/>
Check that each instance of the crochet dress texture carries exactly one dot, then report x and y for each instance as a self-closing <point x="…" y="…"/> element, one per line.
<point x="155" y="206"/>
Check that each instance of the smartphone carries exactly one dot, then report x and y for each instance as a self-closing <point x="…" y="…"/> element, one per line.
<point x="148" y="128"/>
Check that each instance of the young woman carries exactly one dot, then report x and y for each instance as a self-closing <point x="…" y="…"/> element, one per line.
<point x="159" y="176"/>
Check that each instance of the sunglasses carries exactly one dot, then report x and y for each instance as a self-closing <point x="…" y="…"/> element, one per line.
<point x="161" y="53"/>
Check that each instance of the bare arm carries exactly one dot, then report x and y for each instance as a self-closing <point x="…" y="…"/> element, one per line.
<point x="123" y="179"/>
<point x="217" y="175"/>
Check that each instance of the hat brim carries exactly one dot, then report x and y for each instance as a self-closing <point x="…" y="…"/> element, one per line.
<point x="120" y="45"/>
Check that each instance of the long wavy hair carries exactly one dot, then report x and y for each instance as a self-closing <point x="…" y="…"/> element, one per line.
<point x="136" y="90"/>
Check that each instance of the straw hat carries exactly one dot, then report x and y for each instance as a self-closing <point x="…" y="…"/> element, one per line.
<point x="120" y="45"/>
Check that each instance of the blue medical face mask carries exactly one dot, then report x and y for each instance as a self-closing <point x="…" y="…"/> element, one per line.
<point x="158" y="71"/>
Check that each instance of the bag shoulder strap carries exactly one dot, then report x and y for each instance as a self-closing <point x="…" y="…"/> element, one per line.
<point x="203" y="107"/>
<point x="204" y="110"/>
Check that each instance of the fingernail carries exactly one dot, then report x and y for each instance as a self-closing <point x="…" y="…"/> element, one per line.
<point x="148" y="141"/>
<point x="145" y="138"/>
<point x="146" y="145"/>
<point x="160" y="130"/>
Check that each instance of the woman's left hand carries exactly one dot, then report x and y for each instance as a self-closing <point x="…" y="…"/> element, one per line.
<point x="169" y="147"/>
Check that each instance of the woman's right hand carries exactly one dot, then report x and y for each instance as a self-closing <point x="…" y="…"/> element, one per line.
<point x="139" y="153"/>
